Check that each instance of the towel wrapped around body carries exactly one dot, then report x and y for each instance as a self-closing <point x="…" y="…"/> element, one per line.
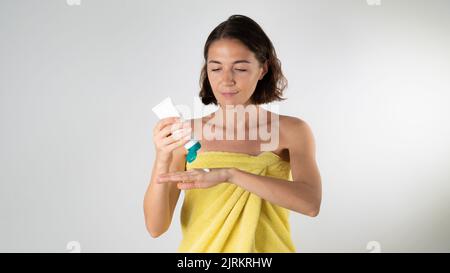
<point x="227" y="218"/>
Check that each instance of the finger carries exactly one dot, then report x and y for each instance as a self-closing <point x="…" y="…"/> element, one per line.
<point x="181" y="177"/>
<point x="168" y="129"/>
<point x="168" y="132"/>
<point x="166" y="179"/>
<point x="178" y="125"/>
<point x="173" y="128"/>
<point x="177" y="136"/>
<point x="171" y="174"/>
<point x="165" y="121"/>
<point x="174" y="174"/>
<point x="175" y="124"/>
<point x="198" y="170"/>
<point x="178" y="143"/>
<point x="189" y="186"/>
<point x="176" y="178"/>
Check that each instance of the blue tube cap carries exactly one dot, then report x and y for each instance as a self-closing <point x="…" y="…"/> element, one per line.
<point x="192" y="152"/>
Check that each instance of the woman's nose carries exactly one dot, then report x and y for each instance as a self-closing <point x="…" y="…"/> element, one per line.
<point x="227" y="76"/>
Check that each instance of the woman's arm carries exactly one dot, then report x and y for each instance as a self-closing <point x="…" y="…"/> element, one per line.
<point x="303" y="194"/>
<point x="297" y="196"/>
<point x="160" y="200"/>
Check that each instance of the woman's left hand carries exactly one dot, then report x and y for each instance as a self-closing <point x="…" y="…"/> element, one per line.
<point x="196" y="178"/>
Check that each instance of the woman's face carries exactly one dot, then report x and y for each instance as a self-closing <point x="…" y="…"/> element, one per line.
<point x="233" y="71"/>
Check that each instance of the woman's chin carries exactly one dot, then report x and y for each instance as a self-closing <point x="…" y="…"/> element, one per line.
<point x="230" y="103"/>
<point x="233" y="102"/>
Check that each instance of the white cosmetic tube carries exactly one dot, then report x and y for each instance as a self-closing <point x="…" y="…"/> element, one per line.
<point x="166" y="109"/>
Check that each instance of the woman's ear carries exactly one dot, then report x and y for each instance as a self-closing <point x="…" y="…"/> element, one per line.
<point x="265" y="68"/>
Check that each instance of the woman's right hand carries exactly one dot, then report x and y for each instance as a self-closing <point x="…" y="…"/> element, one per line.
<point x="168" y="135"/>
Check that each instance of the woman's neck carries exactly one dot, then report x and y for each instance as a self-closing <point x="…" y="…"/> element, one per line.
<point x="239" y="116"/>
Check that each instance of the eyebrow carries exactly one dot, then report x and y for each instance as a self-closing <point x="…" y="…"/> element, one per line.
<point x="235" y="62"/>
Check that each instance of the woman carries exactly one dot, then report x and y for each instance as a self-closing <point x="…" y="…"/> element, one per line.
<point x="242" y="204"/>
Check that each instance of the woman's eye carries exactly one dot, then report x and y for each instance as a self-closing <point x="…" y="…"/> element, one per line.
<point x="240" y="70"/>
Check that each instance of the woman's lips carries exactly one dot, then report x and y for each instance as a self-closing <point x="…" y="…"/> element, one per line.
<point x="228" y="94"/>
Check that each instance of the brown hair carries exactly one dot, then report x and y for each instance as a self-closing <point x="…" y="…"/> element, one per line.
<point x="271" y="86"/>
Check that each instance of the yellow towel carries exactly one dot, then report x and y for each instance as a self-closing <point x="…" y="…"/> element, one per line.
<point x="227" y="218"/>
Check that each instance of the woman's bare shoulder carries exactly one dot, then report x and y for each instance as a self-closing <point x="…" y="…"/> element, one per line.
<point x="291" y="122"/>
<point x="293" y="130"/>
